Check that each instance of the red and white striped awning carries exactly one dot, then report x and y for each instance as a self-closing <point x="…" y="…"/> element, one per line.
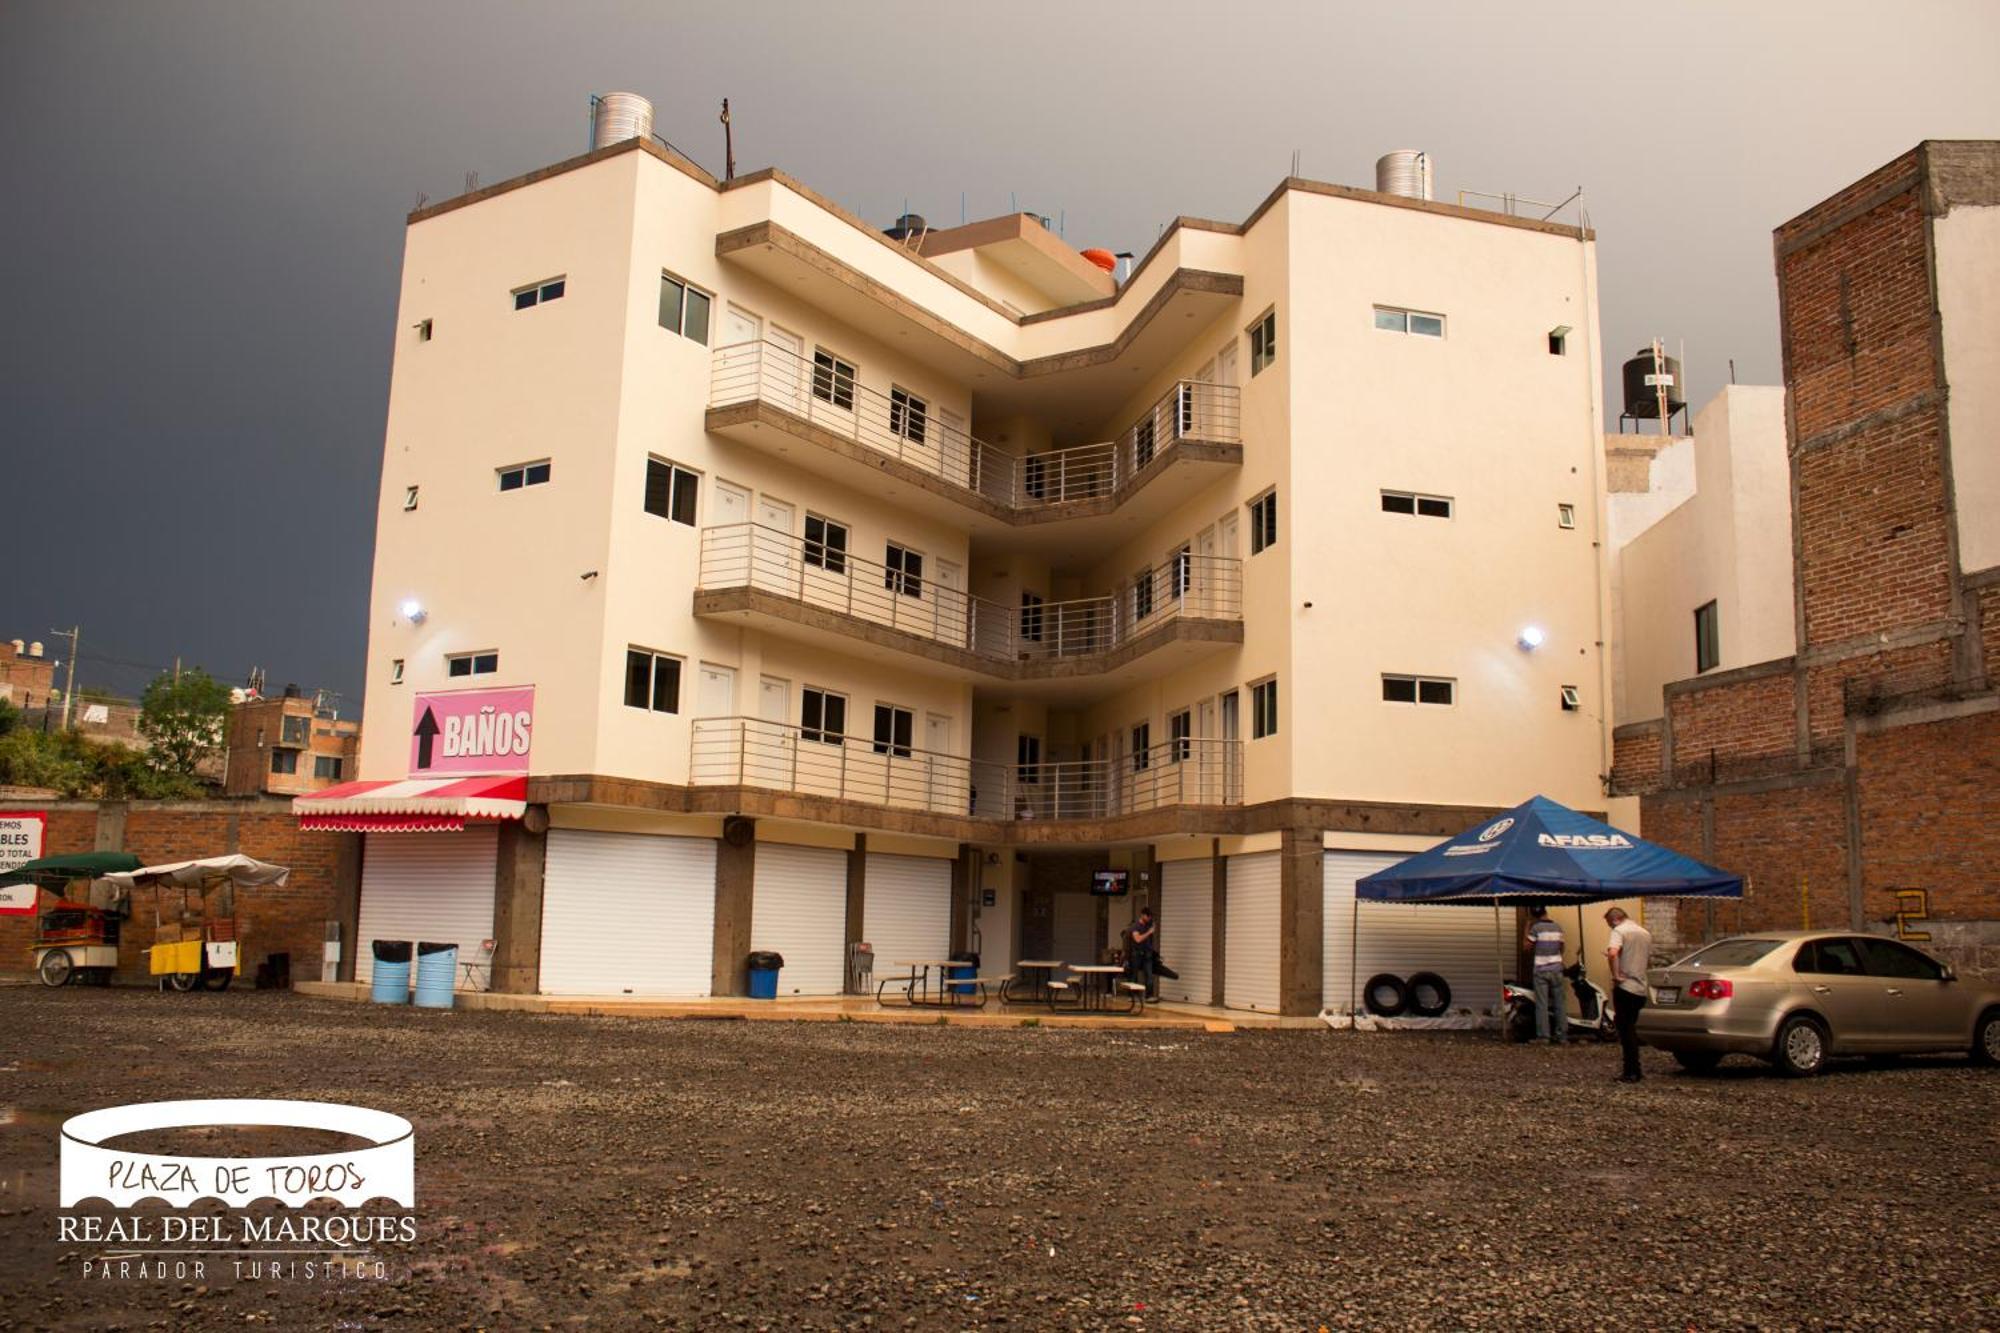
<point x="412" y="805"/>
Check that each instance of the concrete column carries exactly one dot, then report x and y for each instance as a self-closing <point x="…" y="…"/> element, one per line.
<point x="1219" y="919"/>
<point x="110" y="826"/>
<point x="347" y="903"/>
<point x="857" y="891"/>
<point x="1301" y="921"/>
<point x="735" y="891"/>
<point x="517" y="904"/>
<point x="964" y="874"/>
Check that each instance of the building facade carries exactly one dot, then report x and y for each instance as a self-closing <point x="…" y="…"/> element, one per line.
<point x="857" y="588"/>
<point x="287" y="745"/>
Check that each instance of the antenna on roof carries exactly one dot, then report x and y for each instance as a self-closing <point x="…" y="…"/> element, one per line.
<point x="1295" y="161"/>
<point x="728" y="145"/>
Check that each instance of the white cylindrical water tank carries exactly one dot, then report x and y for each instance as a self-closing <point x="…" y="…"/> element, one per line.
<point x="620" y="116"/>
<point x="1407" y="172"/>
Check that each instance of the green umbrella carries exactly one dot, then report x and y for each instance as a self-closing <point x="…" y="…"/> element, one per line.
<point x="52" y="872"/>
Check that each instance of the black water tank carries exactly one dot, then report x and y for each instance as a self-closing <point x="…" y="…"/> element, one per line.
<point x="908" y="225"/>
<point x="1643" y="399"/>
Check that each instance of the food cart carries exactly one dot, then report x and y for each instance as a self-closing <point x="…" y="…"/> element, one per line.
<point x="196" y="936"/>
<point x="75" y="939"/>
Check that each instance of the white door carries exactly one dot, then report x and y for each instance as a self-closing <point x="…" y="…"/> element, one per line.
<point x="906" y="910"/>
<point x="1250" y="933"/>
<point x="1187" y="930"/>
<point x="947" y="775"/>
<point x="955" y="449"/>
<point x="770" y="756"/>
<point x="799" y="910"/>
<point x="715" y="694"/>
<point x="627" y="914"/>
<point x="778" y="558"/>
<point x="786" y="372"/>
<point x="1467" y="946"/>
<point x="739" y="358"/>
<point x="1225" y="536"/>
<point x="1225" y="364"/>
<point x="428" y="887"/>
<point x="1205" y="597"/>
<point x="948" y="607"/>
<point x="728" y="546"/>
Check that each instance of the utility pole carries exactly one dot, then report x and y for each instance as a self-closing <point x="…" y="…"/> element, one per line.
<point x="74" y="633"/>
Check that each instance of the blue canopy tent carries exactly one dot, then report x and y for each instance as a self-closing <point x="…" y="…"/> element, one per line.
<point x="1541" y="852"/>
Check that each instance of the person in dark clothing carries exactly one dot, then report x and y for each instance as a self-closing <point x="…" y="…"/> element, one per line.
<point x="1143" y="955"/>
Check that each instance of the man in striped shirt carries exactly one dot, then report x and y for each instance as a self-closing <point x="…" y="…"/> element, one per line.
<point x="1545" y="940"/>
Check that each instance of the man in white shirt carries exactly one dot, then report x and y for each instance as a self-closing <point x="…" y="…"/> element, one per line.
<point x="1630" y="953"/>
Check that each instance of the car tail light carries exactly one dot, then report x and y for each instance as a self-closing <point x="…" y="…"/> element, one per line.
<point x="1711" y="988"/>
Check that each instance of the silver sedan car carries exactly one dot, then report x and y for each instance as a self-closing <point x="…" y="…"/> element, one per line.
<point x="1798" y="997"/>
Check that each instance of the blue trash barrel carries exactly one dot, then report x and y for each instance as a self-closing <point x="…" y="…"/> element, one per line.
<point x="763" y="966"/>
<point x="965" y="966"/>
<point x="437" y="969"/>
<point x="389" y="981"/>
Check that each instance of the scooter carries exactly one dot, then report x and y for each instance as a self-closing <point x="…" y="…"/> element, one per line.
<point x="1592" y="1016"/>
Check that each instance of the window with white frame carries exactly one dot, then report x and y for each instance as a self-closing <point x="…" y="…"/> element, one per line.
<point x="1264" y="521"/>
<point x="684" y="308"/>
<point x="652" y="681"/>
<point x="826" y="544"/>
<point x="909" y="415"/>
<point x="424" y="328"/>
<point x="539" y="293"/>
<point x="671" y="491"/>
<point x="1393" y="319"/>
<point x="893" y="730"/>
<point x="833" y="379"/>
<point x="395" y="671"/>
<point x="903" y="570"/>
<point x="1422" y="506"/>
<point x="1264" y="708"/>
<point x="409" y="498"/>
<point x="524" y="474"/>
<point x="1430" y="690"/>
<point x="1263" y="342"/>
<point x="1572" y="699"/>
<point x="822" y="716"/>
<point x="1180" y="734"/>
<point x="472" y="664"/>
<point x="1565" y="516"/>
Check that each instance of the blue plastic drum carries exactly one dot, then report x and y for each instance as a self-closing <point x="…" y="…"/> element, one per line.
<point x="437" y="969"/>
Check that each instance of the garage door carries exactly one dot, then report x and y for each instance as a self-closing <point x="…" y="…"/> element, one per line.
<point x="625" y="913"/>
<point x="906" y="910"/>
<point x="1250" y="933"/>
<point x="427" y="886"/>
<point x="1187" y="930"/>
<point x="1457" y="943"/>
<point x="800" y="911"/>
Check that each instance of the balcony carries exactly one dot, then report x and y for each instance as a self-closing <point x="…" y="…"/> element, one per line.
<point x="771" y="397"/>
<point x="836" y="600"/>
<point x="795" y="761"/>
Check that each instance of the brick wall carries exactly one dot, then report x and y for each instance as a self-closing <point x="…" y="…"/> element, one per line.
<point x="1733" y="719"/>
<point x="1635" y="758"/>
<point x="1930" y="815"/>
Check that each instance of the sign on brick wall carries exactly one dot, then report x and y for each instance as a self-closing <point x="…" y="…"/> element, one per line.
<point x="22" y="836"/>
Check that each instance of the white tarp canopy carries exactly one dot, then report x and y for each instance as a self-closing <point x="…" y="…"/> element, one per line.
<point x="244" y="871"/>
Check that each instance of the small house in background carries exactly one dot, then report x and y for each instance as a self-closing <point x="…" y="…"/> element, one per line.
<point x="288" y="745"/>
<point x="27" y="674"/>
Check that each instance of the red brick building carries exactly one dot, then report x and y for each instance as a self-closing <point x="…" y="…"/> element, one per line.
<point x="288" y="746"/>
<point x="1859" y="778"/>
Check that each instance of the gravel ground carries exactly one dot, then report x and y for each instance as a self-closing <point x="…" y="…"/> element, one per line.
<point x="625" y="1173"/>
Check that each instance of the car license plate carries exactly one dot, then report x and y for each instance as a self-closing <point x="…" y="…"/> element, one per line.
<point x="1666" y="995"/>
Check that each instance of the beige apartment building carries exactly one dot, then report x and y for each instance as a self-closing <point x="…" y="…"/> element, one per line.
<point x="749" y="578"/>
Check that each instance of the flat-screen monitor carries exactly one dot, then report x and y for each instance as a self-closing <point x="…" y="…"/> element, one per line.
<point x="1111" y="883"/>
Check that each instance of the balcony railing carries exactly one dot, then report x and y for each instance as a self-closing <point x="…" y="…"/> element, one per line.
<point x="777" y="756"/>
<point x="918" y="434"/>
<point x="1185" y="586"/>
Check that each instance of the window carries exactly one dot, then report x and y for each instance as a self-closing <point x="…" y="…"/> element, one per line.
<point x="538" y="293"/>
<point x="1559" y="342"/>
<point x="903" y="571"/>
<point x="1887" y="958"/>
<point x="294" y="730"/>
<point x="1828" y="958"/>
<point x="409" y="498"/>
<point x="1142" y="747"/>
<point x="652" y="681"/>
<point x="822" y="716"/>
<point x="671" y="491"/>
<point x="284" y="761"/>
<point x="1263" y="521"/>
<point x="1142" y="442"/>
<point x="1142" y="594"/>
<point x="1028" y="758"/>
<point x="423" y="330"/>
<point x="1263" y="342"/>
<point x="1418" y="690"/>
<point x="1392" y="320"/>
<point x="684" y="309"/>
<point x="527" y="474"/>
<point x="826" y="544"/>
<point x="908" y="415"/>
<point x="833" y="379"/>
<point x="1031" y="617"/>
<point x="326" y="766"/>
<point x="1180" y="734"/>
<point x="892" y="731"/>
<point x="472" y="664"/>
<point x="1423" y="506"/>
<point x="1183" y="571"/>
<point x="1264" y="709"/>
<point x="1572" y="701"/>
<point x="1565" y="516"/>
<point x="395" y="671"/>
<point x="1707" y="638"/>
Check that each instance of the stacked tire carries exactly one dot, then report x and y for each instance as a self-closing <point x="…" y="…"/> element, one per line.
<point x="1422" y="995"/>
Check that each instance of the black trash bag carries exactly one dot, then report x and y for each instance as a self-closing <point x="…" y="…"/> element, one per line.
<point x="392" y="951"/>
<point x="427" y="947"/>
<point x="763" y="960"/>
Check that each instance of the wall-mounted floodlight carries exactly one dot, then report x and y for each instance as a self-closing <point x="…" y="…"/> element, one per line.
<point x="413" y="611"/>
<point x="1532" y="637"/>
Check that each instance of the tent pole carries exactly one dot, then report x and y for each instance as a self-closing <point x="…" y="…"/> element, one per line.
<point x="1500" y="967"/>
<point x="1354" y="959"/>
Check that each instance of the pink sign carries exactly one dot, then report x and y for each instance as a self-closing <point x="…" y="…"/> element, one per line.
<point x="472" y="731"/>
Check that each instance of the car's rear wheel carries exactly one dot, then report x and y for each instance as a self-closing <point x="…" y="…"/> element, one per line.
<point x="1986" y="1039"/>
<point x="1800" y="1050"/>
<point x="1698" y="1062"/>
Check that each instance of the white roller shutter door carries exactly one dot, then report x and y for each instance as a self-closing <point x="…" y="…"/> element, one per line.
<point x="1250" y="933"/>
<point x="427" y="886"/>
<point x="800" y="912"/>
<point x="627" y="913"/>
<point x="906" y="909"/>
<point x="1457" y="943"/>
<point x="1187" y="930"/>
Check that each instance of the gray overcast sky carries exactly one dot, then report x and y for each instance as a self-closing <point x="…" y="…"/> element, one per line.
<point x="202" y="210"/>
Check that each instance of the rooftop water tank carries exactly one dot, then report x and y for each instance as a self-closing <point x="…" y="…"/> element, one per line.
<point x="1407" y="172"/>
<point x="908" y="225"/>
<point x="618" y="117"/>
<point x="1643" y="382"/>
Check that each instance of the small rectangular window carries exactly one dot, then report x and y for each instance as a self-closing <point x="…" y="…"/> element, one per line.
<point x="1422" y="506"/>
<point x="903" y="571"/>
<point x="1427" y="326"/>
<point x="284" y="761"/>
<point x="1031" y="617"/>
<point x="1417" y="690"/>
<point x="472" y="664"/>
<point x="409" y="498"/>
<point x="1263" y="522"/>
<point x="1143" y="441"/>
<point x="1142" y="747"/>
<point x="294" y="730"/>
<point x="684" y="309"/>
<point x="524" y="474"/>
<point x="652" y="681"/>
<point x="822" y="716"/>
<point x="1180" y="733"/>
<point x="1572" y="700"/>
<point x="909" y="415"/>
<point x="1264" y="709"/>
<point x="539" y="293"/>
<point x="1028" y="758"/>
<point x="671" y="491"/>
<point x="1707" y="638"/>
<point x="1434" y="691"/>
<point x="893" y="728"/>
<point x="1142" y="594"/>
<point x="1565" y="516"/>
<point x="395" y="671"/>
<point x="1558" y="342"/>
<point x="826" y="544"/>
<point x="423" y="330"/>
<point x="833" y="379"/>
<point x="1263" y="342"/>
<point x="1391" y="319"/>
<point x="326" y="766"/>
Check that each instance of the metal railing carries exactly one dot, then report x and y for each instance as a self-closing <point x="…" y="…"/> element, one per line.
<point x="750" y="555"/>
<point x="778" y="756"/>
<point x="916" y="433"/>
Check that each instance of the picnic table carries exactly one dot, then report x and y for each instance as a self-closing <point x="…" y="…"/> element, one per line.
<point x="918" y="990"/>
<point x="1037" y="972"/>
<point x="1095" y="992"/>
